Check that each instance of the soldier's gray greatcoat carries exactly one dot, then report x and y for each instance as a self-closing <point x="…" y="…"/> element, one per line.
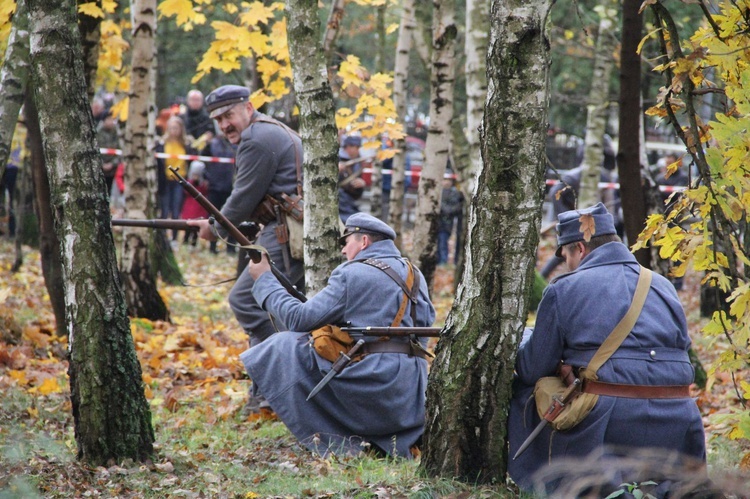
<point x="266" y="163"/>
<point x="380" y="399"/>
<point x="574" y="317"/>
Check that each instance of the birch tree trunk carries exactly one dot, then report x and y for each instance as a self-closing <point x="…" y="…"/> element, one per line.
<point x="442" y="78"/>
<point x="628" y="159"/>
<point x="320" y="143"/>
<point x="136" y="271"/>
<point x="332" y="28"/>
<point x="475" y="50"/>
<point x="91" y="33"/>
<point x="376" y="183"/>
<point x="14" y="76"/>
<point x="401" y="74"/>
<point x="596" y="119"/>
<point x="111" y="414"/>
<point x="49" y="244"/>
<point x="469" y="387"/>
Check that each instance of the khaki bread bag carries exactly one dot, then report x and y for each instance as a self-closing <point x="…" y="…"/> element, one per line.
<point x="330" y="341"/>
<point x="553" y="386"/>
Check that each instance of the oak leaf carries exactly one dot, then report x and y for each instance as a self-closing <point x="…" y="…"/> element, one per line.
<point x="588" y="226"/>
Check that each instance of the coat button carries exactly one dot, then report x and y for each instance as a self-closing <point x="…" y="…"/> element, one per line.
<point x="652" y="353"/>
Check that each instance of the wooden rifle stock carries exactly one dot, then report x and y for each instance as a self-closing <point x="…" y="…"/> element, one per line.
<point x="157" y="223"/>
<point x="218" y="216"/>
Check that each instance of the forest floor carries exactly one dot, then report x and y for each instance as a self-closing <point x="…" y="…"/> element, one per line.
<point x="196" y="388"/>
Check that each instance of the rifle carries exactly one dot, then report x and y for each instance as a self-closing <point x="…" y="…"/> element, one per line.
<point x="354" y="175"/>
<point x="250" y="229"/>
<point x="393" y="331"/>
<point x="245" y="243"/>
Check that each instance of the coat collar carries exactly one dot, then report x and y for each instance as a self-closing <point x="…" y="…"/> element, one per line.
<point x="613" y="253"/>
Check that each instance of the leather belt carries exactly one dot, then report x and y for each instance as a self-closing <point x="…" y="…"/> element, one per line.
<point x="636" y="391"/>
<point x="392" y="347"/>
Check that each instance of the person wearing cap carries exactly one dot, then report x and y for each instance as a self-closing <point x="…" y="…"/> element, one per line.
<point x="268" y="161"/>
<point x="577" y="313"/>
<point x="378" y="401"/>
<point x="351" y="184"/>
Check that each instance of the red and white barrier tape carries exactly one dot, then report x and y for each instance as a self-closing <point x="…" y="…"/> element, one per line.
<point x="192" y="157"/>
<point x="615" y="185"/>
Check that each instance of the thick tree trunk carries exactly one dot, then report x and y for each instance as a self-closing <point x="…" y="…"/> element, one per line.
<point x="138" y="278"/>
<point x="14" y="76"/>
<point x="111" y="414"/>
<point x="320" y="143"/>
<point x="598" y="106"/>
<point x="444" y="32"/>
<point x="91" y="33"/>
<point x="469" y="388"/>
<point x="475" y="50"/>
<point x="401" y="74"/>
<point x="628" y="158"/>
<point x="49" y="244"/>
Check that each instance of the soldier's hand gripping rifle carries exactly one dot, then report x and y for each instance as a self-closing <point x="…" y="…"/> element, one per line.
<point x="245" y="243"/>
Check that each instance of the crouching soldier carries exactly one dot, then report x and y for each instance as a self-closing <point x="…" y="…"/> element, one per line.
<point x="378" y="400"/>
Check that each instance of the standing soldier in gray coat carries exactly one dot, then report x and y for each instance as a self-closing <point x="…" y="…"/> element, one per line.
<point x="268" y="162"/>
<point x="378" y="401"/>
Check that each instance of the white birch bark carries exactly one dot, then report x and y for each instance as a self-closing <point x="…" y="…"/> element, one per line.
<point x="475" y="50"/>
<point x="596" y="119"/>
<point x="332" y="28"/>
<point x="319" y="141"/>
<point x="401" y="74"/>
<point x="444" y="31"/>
<point x="469" y="388"/>
<point x="14" y="77"/>
<point x="139" y="279"/>
<point x="110" y="412"/>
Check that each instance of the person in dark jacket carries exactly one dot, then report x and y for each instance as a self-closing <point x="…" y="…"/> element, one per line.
<point x="197" y="122"/>
<point x="220" y="175"/>
<point x="351" y="184"/>
<point x="577" y="313"/>
<point x="451" y="215"/>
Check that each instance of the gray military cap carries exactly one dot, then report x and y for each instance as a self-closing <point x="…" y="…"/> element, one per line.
<point x="569" y="225"/>
<point x="363" y="223"/>
<point x="223" y="98"/>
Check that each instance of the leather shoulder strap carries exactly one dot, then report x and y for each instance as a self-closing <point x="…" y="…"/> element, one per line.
<point x="623" y="328"/>
<point x="297" y="159"/>
<point x="408" y="287"/>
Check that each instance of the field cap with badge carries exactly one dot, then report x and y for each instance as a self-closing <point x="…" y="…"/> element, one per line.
<point x="224" y="98"/>
<point x="569" y="225"/>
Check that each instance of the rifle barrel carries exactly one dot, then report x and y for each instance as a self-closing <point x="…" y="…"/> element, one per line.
<point x="394" y="331"/>
<point x="158" y="223"/>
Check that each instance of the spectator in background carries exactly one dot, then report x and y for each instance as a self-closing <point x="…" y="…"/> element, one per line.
<point x="220" y="176"/>
<point x="351" y="184"/>
<point x="197" y="122"/>
<point x="451" y="215"/>
<point x="108" y="138"/>
<point x="98" y="110"/>
<point x="191" y="208"/>
<point x="8" y="181"/>
<point x="175" y="142"/>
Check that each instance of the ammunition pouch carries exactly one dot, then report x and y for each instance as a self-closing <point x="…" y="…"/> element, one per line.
<point x="292" y="206"/>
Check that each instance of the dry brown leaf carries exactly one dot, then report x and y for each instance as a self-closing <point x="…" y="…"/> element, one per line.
<point x="588" y="226"/>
